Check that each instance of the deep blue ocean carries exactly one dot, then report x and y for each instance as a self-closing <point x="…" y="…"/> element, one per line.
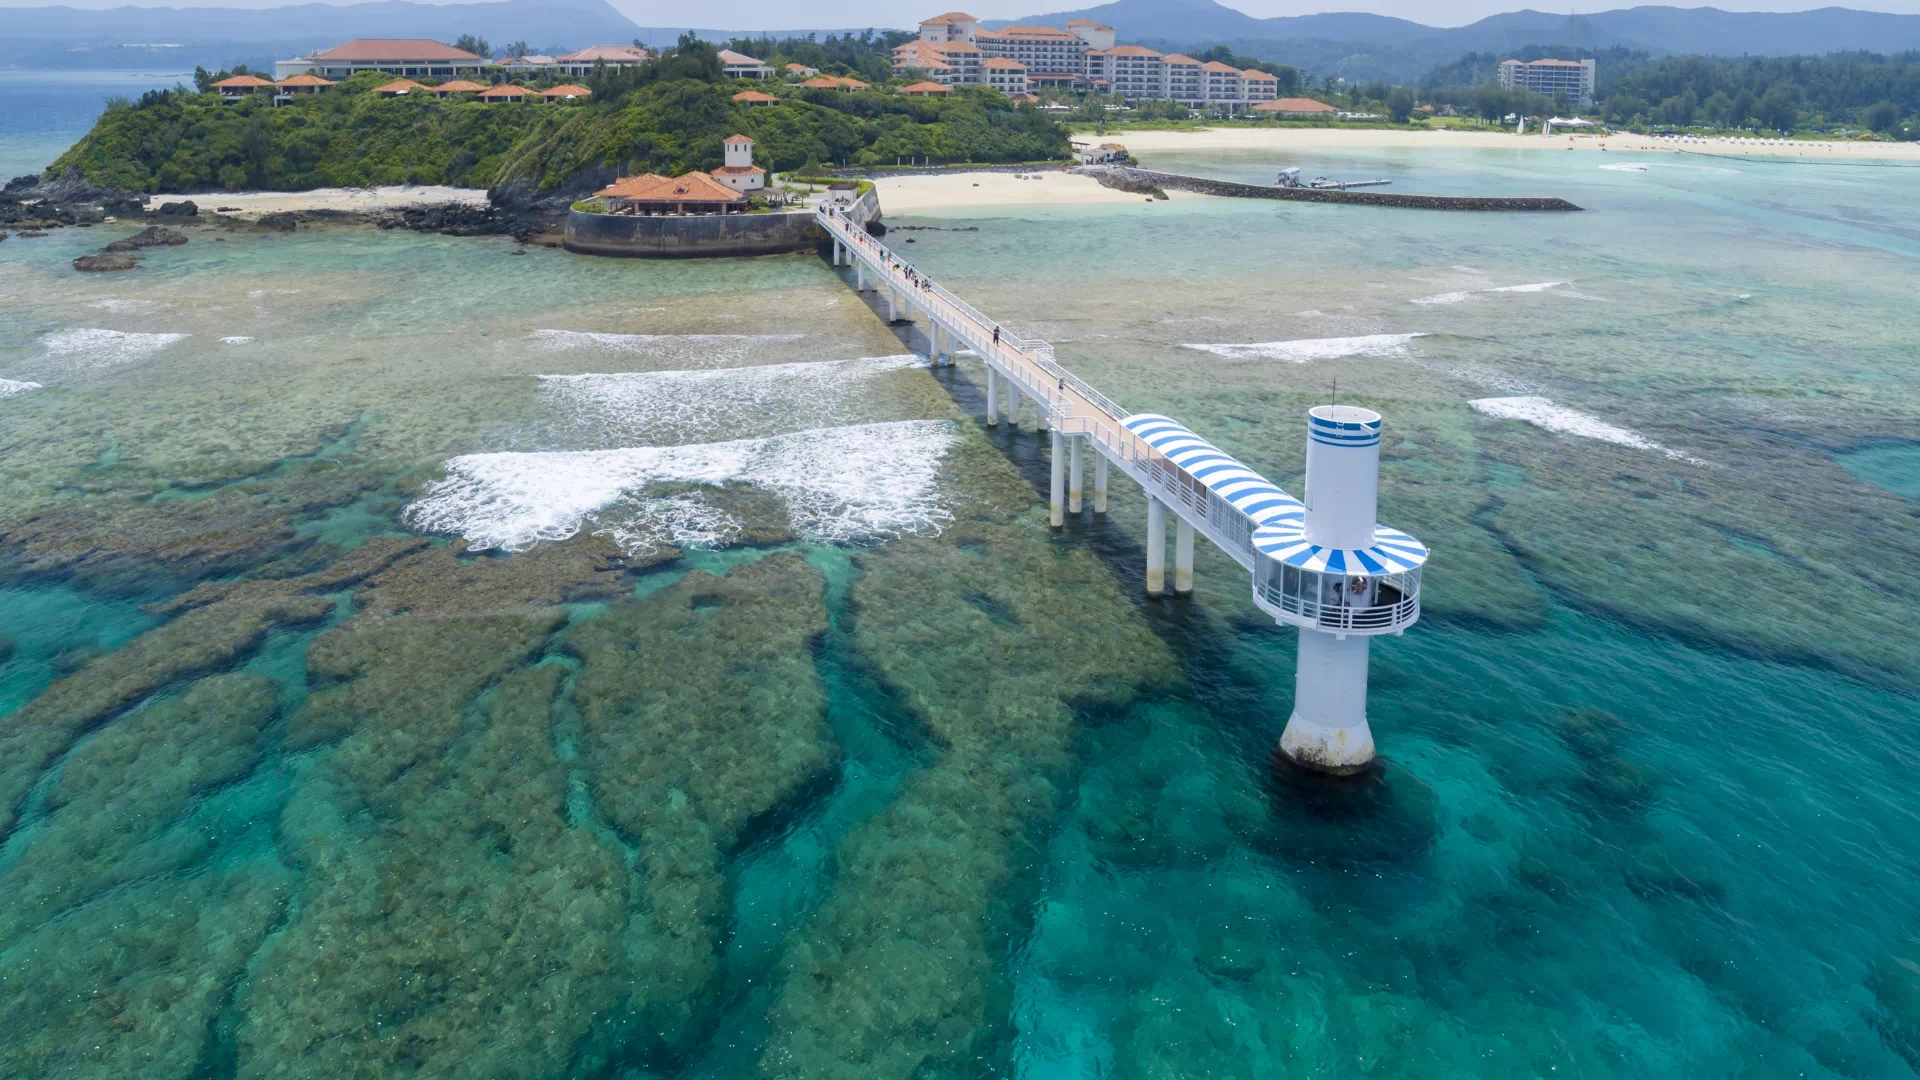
<point x="47" y="111"/>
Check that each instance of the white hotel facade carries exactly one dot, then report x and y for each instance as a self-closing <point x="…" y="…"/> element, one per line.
<point x="953" y="50"/>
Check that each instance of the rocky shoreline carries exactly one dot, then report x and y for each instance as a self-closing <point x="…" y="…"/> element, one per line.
<point x="31" y="205"/>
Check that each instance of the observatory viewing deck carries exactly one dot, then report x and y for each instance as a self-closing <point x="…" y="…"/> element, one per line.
<point x="1324" y="566"/>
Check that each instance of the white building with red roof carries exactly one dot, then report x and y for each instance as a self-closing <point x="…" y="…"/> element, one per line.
<point x="742" y="66"/>
<point x="582" y="62"/>
<point x="414" y="58"/>
<point x="740" y="173"/>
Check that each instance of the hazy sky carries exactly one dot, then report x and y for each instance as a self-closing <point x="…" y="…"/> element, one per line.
<point x="781" y="15"/>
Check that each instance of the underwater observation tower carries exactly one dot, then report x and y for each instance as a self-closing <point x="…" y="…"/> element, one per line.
<point x="1343" y="579"/>
<point x="1323" y="565"/>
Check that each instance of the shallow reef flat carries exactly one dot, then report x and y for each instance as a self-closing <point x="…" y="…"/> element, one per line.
<point x="995" y="637"/>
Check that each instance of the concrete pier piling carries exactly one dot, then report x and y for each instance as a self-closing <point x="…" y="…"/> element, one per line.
<point x="1074" y="472"/>
<point x="1156" y="546"/>
<point x="1100" y="484"/>
<point x="1057" y="515"/>
<point x="1183" y="558"/>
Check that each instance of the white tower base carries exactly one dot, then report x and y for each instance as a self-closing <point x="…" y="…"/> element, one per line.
<point x="1328" y="730"/>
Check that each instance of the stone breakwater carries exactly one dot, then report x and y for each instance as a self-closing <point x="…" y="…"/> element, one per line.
<point x="1126" y="178"/>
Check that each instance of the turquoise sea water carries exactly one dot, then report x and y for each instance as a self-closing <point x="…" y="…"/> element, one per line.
<point x="48" y="111"/>
<point x="430" y="660"/>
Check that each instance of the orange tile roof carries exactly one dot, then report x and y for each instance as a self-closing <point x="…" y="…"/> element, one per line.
<point x="733" y="140"/>
<point x="1259" y="76"/>
<point x="1295" y="105"/>
<point x="1131" y="50"/>
<point x="508" y="91"/>
<point x="1023" y="99"/>
<point x="304" y="80"/>
<point x="928" y="87"/>
<point x="953" y="47"/>
<point x="566" y="90"/>
<point x="613" y="54"/>
<point x="1089" y="22"/>
<point x="1181" y="58"/>
<point x="249" y="81"/>
<point x="734" y="59"/>
<point x="458" y="86"/>
<point x="1215" y="65"/>
<point x="951" y="16"/>
<point x="1001" y="62"/>
<point x="738" y="170"/>
<point x="803" y="67"/>
<point x="834" y="82"/>
<point x="693" y="187"/>
<point x="755" y="97"/>
<point x="399" y="86"/>
<point x="375" y="49"/>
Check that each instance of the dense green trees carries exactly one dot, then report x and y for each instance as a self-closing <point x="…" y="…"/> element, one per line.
<point x="666" y="117"/>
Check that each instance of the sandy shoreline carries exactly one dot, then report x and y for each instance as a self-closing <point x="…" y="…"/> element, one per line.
<point x="252" y="204"/>
<point x="988" y="190"/>
<point x="1447" y="139"/>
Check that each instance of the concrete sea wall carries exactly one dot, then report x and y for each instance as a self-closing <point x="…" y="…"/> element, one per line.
<point x="694" y="235"/>
<point x="1129" y="179"/>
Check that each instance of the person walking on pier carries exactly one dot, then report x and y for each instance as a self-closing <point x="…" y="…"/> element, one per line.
<point x="996" y="337"/>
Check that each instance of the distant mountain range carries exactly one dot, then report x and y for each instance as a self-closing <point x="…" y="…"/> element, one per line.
<point x="125" y="37"/>
<point x="1352" y="44"/>
<point x="1365" y="46"/>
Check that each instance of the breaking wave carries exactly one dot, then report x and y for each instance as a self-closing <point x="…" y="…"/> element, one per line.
<point x="810" y="394"/>
<point x="90" y="348"/>
<point x="1307" y="350"/>
<point x="236" y="340"/>
<point x="851" y="485"/>
<point x="705" y="350"/>
<point x="10" y="387"/>
<point x="1543" y="413"/>
<point x="1465" y="294"/>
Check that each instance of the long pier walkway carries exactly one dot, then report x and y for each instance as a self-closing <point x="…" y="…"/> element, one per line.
<point x="1256" y="523"/>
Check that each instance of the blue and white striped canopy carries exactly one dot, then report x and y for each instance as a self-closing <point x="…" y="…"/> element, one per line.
<point x="1243" y="489"/>
<point x="1392" y="552"/>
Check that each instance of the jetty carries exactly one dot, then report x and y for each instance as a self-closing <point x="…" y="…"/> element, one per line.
<point x="1129" y="178"/>
<point x="1323" y="565"/>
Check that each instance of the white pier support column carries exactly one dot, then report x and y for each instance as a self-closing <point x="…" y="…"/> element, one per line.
<point x="859" y="276"/>
<point x="893" y="305"/>
<point x="1057" y="511"/>
<point x="1328" y="729"/>
<point x="1075" y="470"/>
<point x="1099" y="483"/>
<point x="1183" y="559"/>
<point x="1156" y="546"/>
<point x="993" y="399"/>
<point x="1013" y="404"/>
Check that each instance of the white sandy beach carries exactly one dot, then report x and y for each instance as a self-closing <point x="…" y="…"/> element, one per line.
<point x="986" y="190"/>
<point x="1487" y="139"/>
<point x="249" y="205"/>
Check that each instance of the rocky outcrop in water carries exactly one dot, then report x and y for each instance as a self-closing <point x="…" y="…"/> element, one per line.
<point x="104" y="262"/>
<point x="185" y="208"/>
<point x="151" y="236"/>
<point x="284" y="221"/>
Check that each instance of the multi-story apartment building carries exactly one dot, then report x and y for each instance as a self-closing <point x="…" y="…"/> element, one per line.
<point x="1573" y="78"/>
<point x="1007" y="76"/>
<point x="1183" y="80"/>
<point x="954" y="51"/>
<point x="1039" y="48"/>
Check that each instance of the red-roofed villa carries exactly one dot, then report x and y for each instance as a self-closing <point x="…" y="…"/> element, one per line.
<point x="420" y="58"/>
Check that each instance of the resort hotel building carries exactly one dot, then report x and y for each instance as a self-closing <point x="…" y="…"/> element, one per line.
<point x="424" y="58"/>
<point x="953" y="50"/>
<point x="1554" y="78"/>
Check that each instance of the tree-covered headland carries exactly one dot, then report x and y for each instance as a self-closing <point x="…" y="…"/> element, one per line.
<point x="666" y="116"/>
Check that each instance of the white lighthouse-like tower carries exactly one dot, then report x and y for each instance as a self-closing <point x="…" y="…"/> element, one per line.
<point x="1334" y="572"/>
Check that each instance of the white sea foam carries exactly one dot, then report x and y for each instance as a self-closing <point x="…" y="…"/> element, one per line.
<point x="1543" y="413"/>
<point x="235" y="340"/>
<point x="1307" y="350"/>
<point x="1465" y="294"/>
<point x="10" y="387"/>
<point x="845" y="485"/>
<point x="90" y="348"/>
<point x="694" y="402"/>
<point x="714" y="350"/>
<point x="1625" y="166"/>
<point x="120" y="305"/>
